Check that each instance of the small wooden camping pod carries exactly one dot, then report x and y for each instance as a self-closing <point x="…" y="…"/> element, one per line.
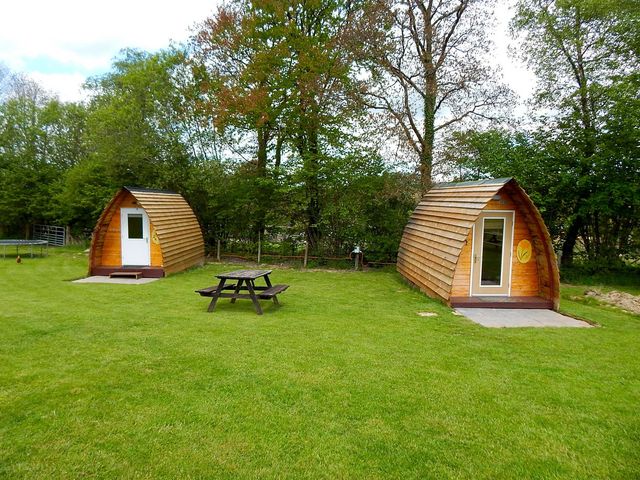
<point x="152" y="231"/>
<point x="480" y="244"/>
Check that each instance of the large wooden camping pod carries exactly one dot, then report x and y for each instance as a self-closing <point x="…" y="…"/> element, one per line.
<point x="480" y="244"/>
<point x="152" y="231"/>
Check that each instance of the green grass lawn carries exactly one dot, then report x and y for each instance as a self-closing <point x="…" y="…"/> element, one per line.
<point x="344" y="380"/>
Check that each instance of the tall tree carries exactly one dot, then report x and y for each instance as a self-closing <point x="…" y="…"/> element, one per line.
<point x="240" y="60"/>
<point x="580" y="52"/>
<point x="136" y="126"/>
<point x="430" y="70"/>
<point x="283" y="68"/>
<point x="320" y="38"/>
<point x="40" y="138"/>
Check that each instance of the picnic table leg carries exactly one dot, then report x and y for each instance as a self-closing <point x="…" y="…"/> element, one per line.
<point x="216" y="295"/>
<point x="254" y="299"/>
<point x="268" y="282"/>
<point x="235" y="292"/>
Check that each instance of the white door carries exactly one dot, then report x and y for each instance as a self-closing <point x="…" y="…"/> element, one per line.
<point x="134" y="232"/>
<point x="491" y="258"/>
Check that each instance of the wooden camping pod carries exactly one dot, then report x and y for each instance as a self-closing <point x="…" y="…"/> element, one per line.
<point x="437" y="254"/>
<point x="175" y="238"/>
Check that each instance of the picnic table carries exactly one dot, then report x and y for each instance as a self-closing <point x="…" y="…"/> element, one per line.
<point x="245" y="281"/>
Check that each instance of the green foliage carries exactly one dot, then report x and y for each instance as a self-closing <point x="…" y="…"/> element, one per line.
<point x="283" y="72"/>
<point x="550" y="170"/>
<point x="581" y="164"/>
<point x="40" y="139"/>
<point x="134" y="127"/>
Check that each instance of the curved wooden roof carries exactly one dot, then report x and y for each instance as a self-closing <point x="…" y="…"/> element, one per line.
<point x="175" y="223"/>
<point x="438" y="228"/>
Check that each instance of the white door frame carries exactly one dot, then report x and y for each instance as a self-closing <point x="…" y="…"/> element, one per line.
<point x="134" y="251"/>
<point x="476" y="257"/>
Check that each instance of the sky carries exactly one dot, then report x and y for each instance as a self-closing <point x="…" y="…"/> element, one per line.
<point x="61" y="43"/>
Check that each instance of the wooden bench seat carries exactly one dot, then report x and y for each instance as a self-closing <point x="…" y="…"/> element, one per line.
<point x="209" y="291"/>
<point x="272" y="291"/>
<point x="125" y="274"/>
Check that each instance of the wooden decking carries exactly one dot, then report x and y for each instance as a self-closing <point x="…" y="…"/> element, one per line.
<point x="501" y="302"/>
<point x="144" y="272"/>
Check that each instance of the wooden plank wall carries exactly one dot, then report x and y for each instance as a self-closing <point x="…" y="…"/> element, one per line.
<point x="177" y="228"/>
<point x="524" y="277"/>
<point x="546" y="261"/>
<point x="112" y="244"/>
<point x="100" y="231"/>
<point x="437" y="232"/>
<point x="435" y="250"/>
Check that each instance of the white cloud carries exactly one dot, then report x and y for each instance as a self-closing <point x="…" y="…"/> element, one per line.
<point x="49" y="40"/>
<point x="66" y="86"/>
<point x="516" y="74"/>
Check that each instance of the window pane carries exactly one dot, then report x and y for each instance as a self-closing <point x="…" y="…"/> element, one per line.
<point x="492" y="239"/>
<point x="135" y="225"/>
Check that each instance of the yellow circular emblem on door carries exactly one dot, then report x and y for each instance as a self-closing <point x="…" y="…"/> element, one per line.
<point x="154" y="237"/>
<point x="524" y="251"/>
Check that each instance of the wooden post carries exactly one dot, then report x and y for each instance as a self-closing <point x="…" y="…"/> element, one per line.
<point x="218" y="251"/>
<point x="306" y="253"/>
<point x="259" y="249"/>
<point x="356" y="261"/>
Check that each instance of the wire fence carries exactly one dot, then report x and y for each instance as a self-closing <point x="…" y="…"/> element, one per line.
<point x="294" y="250"/>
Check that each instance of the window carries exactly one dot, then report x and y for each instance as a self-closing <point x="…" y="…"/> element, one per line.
<point x="492" y="240"/>
<point x="134" y="221"/>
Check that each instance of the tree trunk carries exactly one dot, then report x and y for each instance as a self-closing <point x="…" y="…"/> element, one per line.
<point x="426" y="157"/>
<point x="261" y="173"/>
<point x="430" y="98"/>
<point x="278" y="152"/>
<point x="566" y="260"/>
<point x="263" y="143"/>
<point x="313" y="188"/>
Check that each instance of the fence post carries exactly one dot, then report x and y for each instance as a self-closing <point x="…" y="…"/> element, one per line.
<point x="218" y="251"/>
<point x="356" y="252"/>
<point x="306" y="253"/>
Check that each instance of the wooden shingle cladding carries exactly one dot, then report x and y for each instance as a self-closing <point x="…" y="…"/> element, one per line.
<point x="180" y="243"/>
<point x="435" y="250"/>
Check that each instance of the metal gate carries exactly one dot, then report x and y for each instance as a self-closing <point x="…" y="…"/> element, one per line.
<point x="54" y="235"/>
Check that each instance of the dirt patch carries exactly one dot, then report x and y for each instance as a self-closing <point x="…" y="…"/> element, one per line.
<point x="623" y="300"/>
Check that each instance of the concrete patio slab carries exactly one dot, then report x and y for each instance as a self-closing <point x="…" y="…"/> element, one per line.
<point x="511" y="318"/>
<point x="121" y="281"/>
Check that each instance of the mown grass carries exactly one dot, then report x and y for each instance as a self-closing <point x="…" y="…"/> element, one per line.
<point x="344" y="380"/>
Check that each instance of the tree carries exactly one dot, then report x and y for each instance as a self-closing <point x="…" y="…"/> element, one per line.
<point x="137" y="124"/>
<point x="240" y="59"/>
<point x="430" y="70"/>
<point x="40" y="138"/>
<point x="584" y="58"/>
<point x="544" y="164"/>
<point x="284" y="69"/>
